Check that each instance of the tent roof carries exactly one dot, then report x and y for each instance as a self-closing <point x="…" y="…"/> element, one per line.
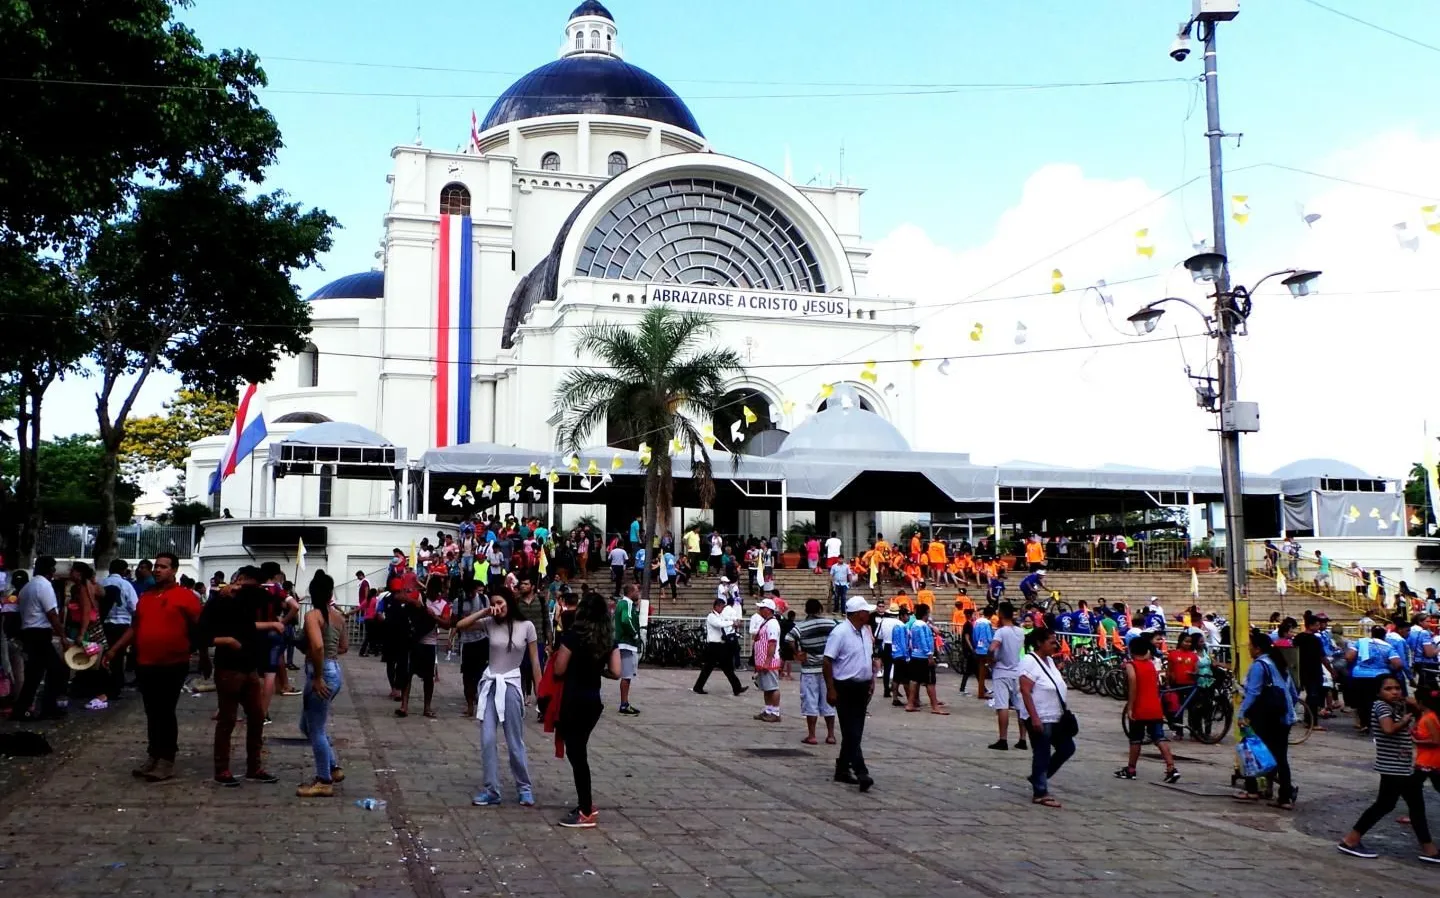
<point x="336" y="433"/>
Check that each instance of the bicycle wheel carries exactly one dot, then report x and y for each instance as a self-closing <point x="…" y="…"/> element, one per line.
<point x="1114" y="683"/>
<point x="1304" y="723"/>
<point x="1125" y="722"/>
<point x="1215" y="718"/>
<point x="1059" y="607"/>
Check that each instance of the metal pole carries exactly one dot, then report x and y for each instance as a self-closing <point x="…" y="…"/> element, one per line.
<point x="784" y="508"/>
<point x="549" y="505"/>
<point x="425" y="497"/>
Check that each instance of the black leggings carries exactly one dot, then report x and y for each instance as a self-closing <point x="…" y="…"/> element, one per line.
<point x="577" y="722"/>
<point x="1392" y="789"/>
<point x="1276" y="737"/>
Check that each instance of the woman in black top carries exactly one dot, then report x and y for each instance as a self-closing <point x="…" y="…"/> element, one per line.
<point x="587" y="652"/>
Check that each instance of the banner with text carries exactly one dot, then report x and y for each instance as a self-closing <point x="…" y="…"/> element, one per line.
<point x="724" y="300"/>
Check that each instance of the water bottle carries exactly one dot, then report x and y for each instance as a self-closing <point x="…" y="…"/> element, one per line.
<point x="371" y="804"/>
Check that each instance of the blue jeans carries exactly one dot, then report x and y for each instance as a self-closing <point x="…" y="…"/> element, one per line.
<point x="316" y="715"/>
<point x="514" y="738"/>
<point x="1047" y="755"/>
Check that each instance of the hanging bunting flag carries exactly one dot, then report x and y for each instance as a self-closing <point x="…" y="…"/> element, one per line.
<point x="1353" y="514"/>
<point x="977" y="332"/>
<point x="534" y="469"/>
<point x="891" y="390"/>
<point x="750" y="417"/>
<point x="677" y="445"/>
<point x="494" y="486"/>
<point x="552" y="477"/>
<point x="572" y="464"/>
<point x="1382" y="524"/>
<point x="736" y="428"/>
<point x="707" y="436"/>
<point x="514" y="493"/>
<point x="1395" y="516"/>
<point x="450" y="496"/>
<point x="787" y="406"/>
<point x="1405" y="238"/>
<point x="826" y="390"/>
<point x="645" y="454"/>
<point x="592" y="468"/>
<point x="918" y="360"/>
<point x="605" y="477"/>
<point x="1144" y="246"/>
<point x="534" y="493"/>
<point x="1103" y="295"/>
<point x="1306" y="216"/>
<point x="869" y="375"/>
<point x="1057" y="283"/>
<point x="944" y="368"/>
<point x="1240" y="208"/>
<point x="517" y="481"/>
<point x="1375" y="513"/>
<point x="1431" y="217"/>
<point x="1020" y="332"/>
<point x="584" y="483"/>
<point x="485" y="490"/>
<point x="617" y="462"/>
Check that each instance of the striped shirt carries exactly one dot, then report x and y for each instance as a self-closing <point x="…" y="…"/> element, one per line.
<point x="809" y="637"/>
<point x="1394" y="752"/>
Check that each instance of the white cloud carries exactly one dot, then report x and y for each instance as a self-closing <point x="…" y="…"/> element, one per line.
<point x="1341" y="374"/>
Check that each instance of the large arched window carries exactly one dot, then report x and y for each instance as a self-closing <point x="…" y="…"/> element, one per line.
<point x="609" y="41"/>
<point x="732" y="409"/>
<point x="550" y="162"/>
<point x="309" y="359"/>
<point x="594" y="40"/>
<point x="579" y="40"/>
<point x="454" y="200"/>
<point x="701" y="231"/>
<point x="617" y="163"/>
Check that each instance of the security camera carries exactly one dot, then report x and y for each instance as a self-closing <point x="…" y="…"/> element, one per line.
<point x="1181" y="48"/>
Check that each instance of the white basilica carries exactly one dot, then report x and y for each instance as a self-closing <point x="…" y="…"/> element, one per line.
<point x="590" y="193"/>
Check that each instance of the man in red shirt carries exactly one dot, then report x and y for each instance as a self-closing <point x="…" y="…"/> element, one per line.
<point x="163" y="633"/>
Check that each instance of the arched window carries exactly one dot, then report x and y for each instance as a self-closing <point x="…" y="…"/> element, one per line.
<point x="618" y="163"/>
<point x="454" y="200"/>
<point x="550" y="162"/>
<point x="301" y="418"/>
<point x="309" y="366"/>
<point x="579" y="39"/>
<point x="594" y="40"/>
<point x="609" y="40"/>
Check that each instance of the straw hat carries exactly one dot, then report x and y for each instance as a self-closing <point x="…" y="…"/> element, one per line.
<point x="78" y="659"/>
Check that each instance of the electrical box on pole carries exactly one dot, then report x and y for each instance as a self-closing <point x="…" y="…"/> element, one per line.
<point x="1215" y="10"/>
<point x="1240" y="417"/>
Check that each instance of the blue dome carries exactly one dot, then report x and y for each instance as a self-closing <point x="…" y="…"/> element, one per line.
<point x="591" y="85"/>
<point x="365" y="285"/>
<point x="592" y="8"/>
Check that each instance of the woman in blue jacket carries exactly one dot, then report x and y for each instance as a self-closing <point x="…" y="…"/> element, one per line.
<point x="1269" y="710"/>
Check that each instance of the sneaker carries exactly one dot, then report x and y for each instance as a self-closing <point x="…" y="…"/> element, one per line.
<point x="527" y="798"/>
<point x="577" y="819"/>
<point x="999" y="745"/>
<point x="144" y="769"/>
<point x="316" y="789"/>
<point x="268" y="721"/>
<point x="227" y="779"/>
<point x="163" y="770"/>
<point x="1429" y="858"/>
<point x="865" y="783"/>
<point x="844" y="776"/>
<point x="1357" y="850"/>
<point x="96" y="704"/>
<point x="1172" y="775"/>
<point x="629" y="710"/>
<point x="291" y="691"/>
<point x="262" y="776"/>
<point x="1125" y="773"/>
<point x="485" y="799"/>
<point x="1022" y="745"/>
<point x="337" y="775"/>
<point x="742" y="690"/>
<point x="770" y="718"/>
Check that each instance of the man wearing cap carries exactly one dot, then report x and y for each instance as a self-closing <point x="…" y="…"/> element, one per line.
<point x="849" y="669"/>
<point x="719" y="631"/>
<point x="767" y="660"/>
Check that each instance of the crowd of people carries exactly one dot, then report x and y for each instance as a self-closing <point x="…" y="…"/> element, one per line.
<point x="515" y="603"/>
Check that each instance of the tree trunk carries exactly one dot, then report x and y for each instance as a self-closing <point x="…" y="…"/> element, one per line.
<point x="105" y="537"/>
<point x="27" y="483"/>
<point x="651" y="515"/>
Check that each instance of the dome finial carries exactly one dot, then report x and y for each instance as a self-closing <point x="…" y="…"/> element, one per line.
<point x="591" y="30"/>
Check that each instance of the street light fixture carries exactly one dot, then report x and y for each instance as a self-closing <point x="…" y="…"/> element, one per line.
<point x="1206" y="268"/>
<point x="1145" y="320"/>
<point x="1299" y="282"/>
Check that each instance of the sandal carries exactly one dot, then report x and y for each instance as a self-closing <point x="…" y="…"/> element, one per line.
<point x="430" y="714"/>
<point x="940" y="711"/>
<point x="401" y="713"/>
<point x="1246" y="796"/>
<point x="829" y="740"/>
<point x="1046" y="801"/>
<point x="809" y="740"/>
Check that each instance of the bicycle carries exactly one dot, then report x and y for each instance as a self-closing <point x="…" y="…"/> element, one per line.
<point x="1051" y="604"/>
<point x="1204" y="710"/>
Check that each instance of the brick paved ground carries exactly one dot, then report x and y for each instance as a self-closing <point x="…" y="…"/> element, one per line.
<point x="687" y="809"/>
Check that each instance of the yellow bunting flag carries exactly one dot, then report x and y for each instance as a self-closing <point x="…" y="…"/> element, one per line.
<point x="1057" y="281"/>
<point x="617" y="462"/>
<point x="826" y="391"/>
<point x="1144" y="246"/>
<point x="707" y="436"/>
<point x="1240" y="208"/>
<point x="518" y="480"/>
<point x="677" y="445"/>
<point x="534" y="469"/>
<point x="750" y="417"/>
<point x="868" y="375"/>
<point x="645" y="454"/>
<point x="1375" y="513"/>
<point x="977" y="332"/>
<point x="592" y="468"/>
<point x="787" y="406"/>
<point x="1430" y="215"/>
<point x="919" y="352"/>
<point x="552" y="477"/>
<point x="1353" y="514"/>
<point x="572" y="464"/>
<point x="494" y="486"/>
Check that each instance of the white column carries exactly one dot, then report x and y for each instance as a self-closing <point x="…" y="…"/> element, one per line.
<point x="994" y="543"/>
<point x="549" y="505"/>
<point x="784" y="507"/>
<point x="405" y="493"/>
<point x="425" y="499"/>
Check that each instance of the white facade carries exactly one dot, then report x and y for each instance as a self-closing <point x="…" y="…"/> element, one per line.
<point x="384" y="361"/>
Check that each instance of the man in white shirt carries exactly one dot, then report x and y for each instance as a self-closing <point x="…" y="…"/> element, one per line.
<point x="719" y="631"/>
<point x="840" y="579"/>
<point x="1005" y="652"/>
<point x="121" y="599"/>
<point x="39" y="627"/>
<point x="849" y="667"/>
<point x="618" y="559"/>
<point x="832" y="551"/>
<point x="888" y="622"/>
<point x="767" y="660"/>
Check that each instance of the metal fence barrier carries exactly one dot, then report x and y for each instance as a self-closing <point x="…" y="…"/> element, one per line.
<point x="134" y="540"/>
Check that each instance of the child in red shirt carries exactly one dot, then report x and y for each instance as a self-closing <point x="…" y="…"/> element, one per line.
<point x="1142" y="707"/>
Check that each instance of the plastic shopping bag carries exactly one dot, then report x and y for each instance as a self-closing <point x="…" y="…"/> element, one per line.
<point x="1255" y="757"/>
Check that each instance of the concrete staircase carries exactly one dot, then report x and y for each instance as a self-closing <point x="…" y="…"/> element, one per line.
<point x="1133" y="588"/>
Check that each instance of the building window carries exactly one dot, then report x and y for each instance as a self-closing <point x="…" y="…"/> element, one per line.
<point x="327" y="491"/>
<point x="594" y="40"/>
<point x="310" y="366"/>
<point x="618" y="163"/>
<point x="454" y="200"/>
<point x="550" y="162"/>
<point x="609" y="40"/>
<point x="579" y="40"/>
<point x="301" y="418"/>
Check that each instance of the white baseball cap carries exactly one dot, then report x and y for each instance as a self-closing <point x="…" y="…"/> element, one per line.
<point x="856" y="605"/>
<point x="766" y="603"/>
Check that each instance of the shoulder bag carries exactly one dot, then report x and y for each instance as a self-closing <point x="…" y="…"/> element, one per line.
<point x="1068" y="726"/>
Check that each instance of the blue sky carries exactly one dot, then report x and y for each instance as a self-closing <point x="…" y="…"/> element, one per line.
<point x="978" y="191"/>
<point x="1297" y="80"/>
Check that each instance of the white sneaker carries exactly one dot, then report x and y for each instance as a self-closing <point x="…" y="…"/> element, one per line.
<point x="97" y="704"/>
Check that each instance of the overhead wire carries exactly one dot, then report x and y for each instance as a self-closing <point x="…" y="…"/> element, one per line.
<point x="1372" y="25"/>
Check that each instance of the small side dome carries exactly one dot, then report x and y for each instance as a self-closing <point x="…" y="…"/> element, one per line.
<point x="363" y="285"/>
<point x="842" y="429"/>
<point x="1323" y="468"/>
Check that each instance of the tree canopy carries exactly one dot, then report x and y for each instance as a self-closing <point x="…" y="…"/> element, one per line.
<point x="69" y="476"/>
<point x="156" y="443"/>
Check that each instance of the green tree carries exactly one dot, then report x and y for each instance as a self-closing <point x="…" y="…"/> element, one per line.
<point x="69" y="477"/>
<point x="658" y="378"/>
<point x="38" y="306"/>
<point x="197" y="282"/>
<point x="157" y="443"/>
<point x="1417" y="495"/>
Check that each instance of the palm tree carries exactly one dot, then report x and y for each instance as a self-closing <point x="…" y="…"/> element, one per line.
<point x="658" y="379"/>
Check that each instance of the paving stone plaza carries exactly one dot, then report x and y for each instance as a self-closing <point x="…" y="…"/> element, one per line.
<point x="696" y="799"/>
